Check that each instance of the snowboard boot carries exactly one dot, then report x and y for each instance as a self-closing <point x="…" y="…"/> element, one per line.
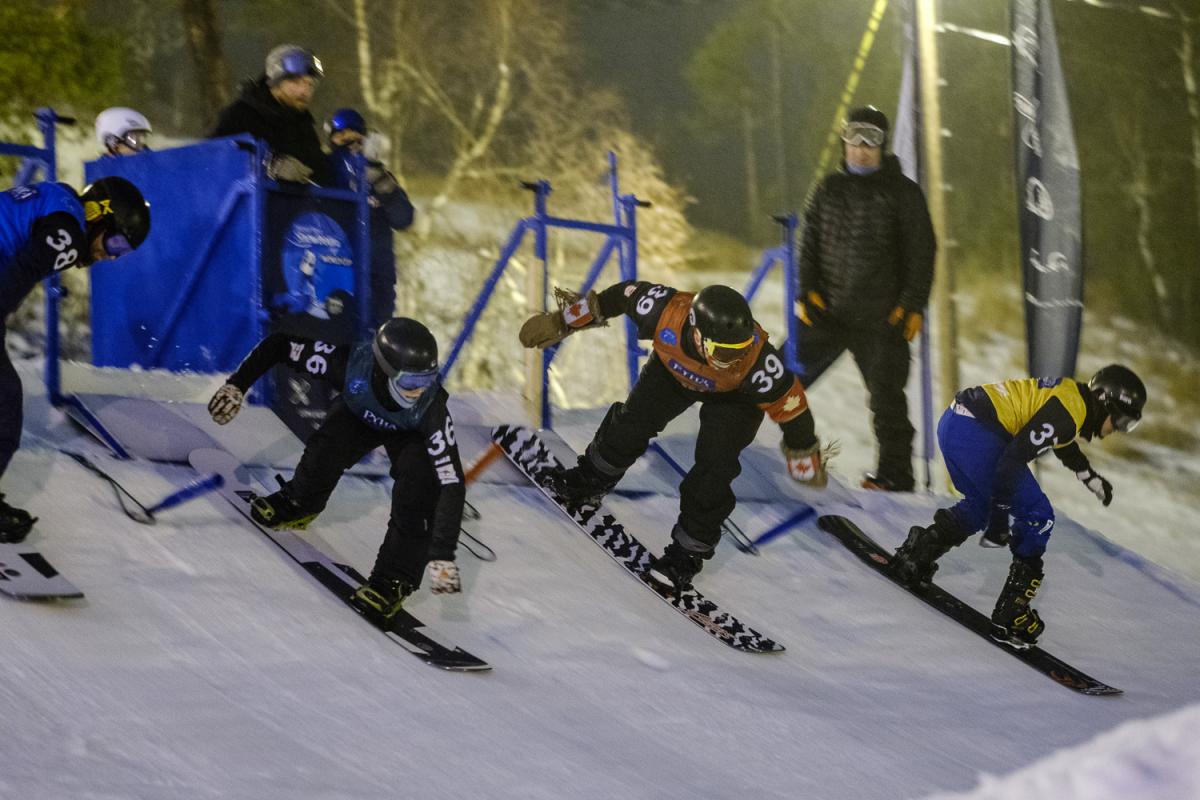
<point x="381" y="599"/>
<point x="1014" y="621"/>
<point x="584" y="484"/>
<point x="15" y="523"/>
<point x="676" y="567"/>
<point x="280" y="511"/>
<point x="882" y="482"/>
<point x="915" y="560"/>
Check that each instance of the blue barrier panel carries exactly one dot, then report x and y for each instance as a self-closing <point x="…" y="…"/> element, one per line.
<point x="188" y="298"/>
<point x="230" y="256"/>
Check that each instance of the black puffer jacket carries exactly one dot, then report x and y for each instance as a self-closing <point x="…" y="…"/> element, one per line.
<point x="285" y="130"/>
<point x="867" y="244"/>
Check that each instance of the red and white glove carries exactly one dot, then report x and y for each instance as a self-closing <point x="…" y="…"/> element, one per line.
<point x="806" y="466"/>
<point x="444" y="577"/>
<point x="575" y="312"/>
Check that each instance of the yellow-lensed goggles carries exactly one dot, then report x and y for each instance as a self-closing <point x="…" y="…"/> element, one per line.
<point x="711" y="347"/>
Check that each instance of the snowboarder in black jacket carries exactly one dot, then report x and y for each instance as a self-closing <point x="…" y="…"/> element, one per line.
<point x="391" y="396"/>
<point x="274" y="108"/>
<point x="866" y="267"/>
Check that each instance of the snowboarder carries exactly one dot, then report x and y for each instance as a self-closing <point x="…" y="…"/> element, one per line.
<point x="46" y="228"/>
<point x="988" y="436"/>
<point x="707" y="349"/>
<point x="391" y="396"/>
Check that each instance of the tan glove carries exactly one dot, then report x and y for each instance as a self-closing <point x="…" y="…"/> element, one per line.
<point x="225" y="404"/>
<point x="288" y="168"/>
<point x="550" y="327"/>
<point x="811" y="308"/>
<point x="444" y="577"/>
<point x="912" y="321"/>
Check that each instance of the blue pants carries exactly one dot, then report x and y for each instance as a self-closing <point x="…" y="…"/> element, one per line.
<point x="971" y="451"/>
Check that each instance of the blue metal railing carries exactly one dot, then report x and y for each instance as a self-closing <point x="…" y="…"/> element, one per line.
<point x="620" y="236"/>
<point x="45" y="158"/>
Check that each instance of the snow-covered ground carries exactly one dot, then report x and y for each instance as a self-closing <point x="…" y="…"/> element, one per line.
<point x="203" y="663"/>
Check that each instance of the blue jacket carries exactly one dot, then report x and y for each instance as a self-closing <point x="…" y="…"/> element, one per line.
<point x="41" y="231"/>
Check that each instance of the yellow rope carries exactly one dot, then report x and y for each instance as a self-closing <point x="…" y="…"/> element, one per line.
<point x="860" y="61"/>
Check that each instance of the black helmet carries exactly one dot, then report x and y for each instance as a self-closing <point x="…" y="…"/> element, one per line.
<point x="725" y="323"/>
<point x="866" y="125"/>
<point x="113" y="207"/>
<point x="405" y="345"/>
<point x="1121" y="393"/>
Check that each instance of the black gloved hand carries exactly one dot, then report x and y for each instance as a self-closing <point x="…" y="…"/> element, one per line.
<point x="1098" y="484"/>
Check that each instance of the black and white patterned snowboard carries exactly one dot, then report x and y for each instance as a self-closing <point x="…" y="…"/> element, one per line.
<point x="528" y="452"/>
<point x="25" y="574"/>
<point x="340" y="579"/>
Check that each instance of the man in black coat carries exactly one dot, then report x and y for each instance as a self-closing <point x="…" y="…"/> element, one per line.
<point x="866" y="268"/>
<point x="274" y="108"/>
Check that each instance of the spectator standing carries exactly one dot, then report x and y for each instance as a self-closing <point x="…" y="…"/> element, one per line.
<point x="122" y="131"/>
<point x="390" y="207"/>
<point x="274" y="108"/>
<point x="866" y="268"/>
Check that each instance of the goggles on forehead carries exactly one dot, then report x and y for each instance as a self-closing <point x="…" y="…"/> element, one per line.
<point x="863" y="133"/>
<point x="298" y="62"/>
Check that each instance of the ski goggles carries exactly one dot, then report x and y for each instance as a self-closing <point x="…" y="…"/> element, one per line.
<point x="723" y="354"/>
<point x="135" y="140"/>
<point x="864" y="134"/>
<point x="116" y="245"/>
<point x="413" y="381"/>
<point x="297" y="62"/>
<point x="1125" y="422"/>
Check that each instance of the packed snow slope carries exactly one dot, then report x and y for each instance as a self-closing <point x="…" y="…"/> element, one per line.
<point x="205" y="664"/>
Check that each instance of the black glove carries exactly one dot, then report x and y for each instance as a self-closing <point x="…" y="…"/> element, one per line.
<point x="382" y="182"/>
<point x="1097" y="483"/>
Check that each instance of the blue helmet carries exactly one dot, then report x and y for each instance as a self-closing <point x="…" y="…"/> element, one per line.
<point x="346" y="119"/>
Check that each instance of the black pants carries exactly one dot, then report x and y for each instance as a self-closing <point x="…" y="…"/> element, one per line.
<point x="11" y="411"/>
<point x="882" y="356"/>
<point x="728" y="424"/>
<point x="340" y="443"/>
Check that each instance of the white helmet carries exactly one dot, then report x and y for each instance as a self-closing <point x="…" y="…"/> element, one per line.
<point x="118" y="126"/>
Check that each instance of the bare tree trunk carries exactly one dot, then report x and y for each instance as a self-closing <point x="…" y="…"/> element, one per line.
<point x="362" y="39"/>
<point x="474" y="144"/>
<point x="753" y="209"/>
<point x="204" y="44"/>
<point x="1140" y="192"/>
<point x="1187" y="59"/>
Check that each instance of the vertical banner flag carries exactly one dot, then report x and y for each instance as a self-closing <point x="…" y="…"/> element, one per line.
<point x="1048" y="194"/>
<point x="906" y="146"/>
